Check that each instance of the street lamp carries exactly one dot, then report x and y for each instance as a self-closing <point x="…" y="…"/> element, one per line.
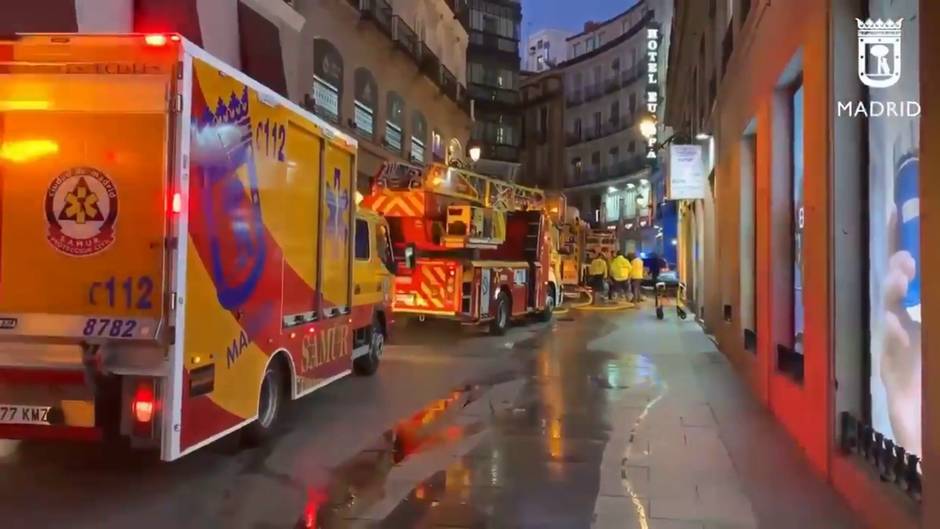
<point x="648" y="127"/>
<point x="475" y="151"/>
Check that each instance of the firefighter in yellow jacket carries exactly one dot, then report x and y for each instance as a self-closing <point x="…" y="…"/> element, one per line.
<point x="597" y="275"/>
<point x="620" y="269"/>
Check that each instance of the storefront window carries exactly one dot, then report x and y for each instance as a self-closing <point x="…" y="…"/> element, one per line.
<point x="796" y="106"/>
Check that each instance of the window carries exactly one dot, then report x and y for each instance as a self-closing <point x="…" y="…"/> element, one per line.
<point x="596" y="161"/>
<point x="632" y="147"/>
<point x="632" y="103"/>
<point x="362" y="240"/>
<point x="383" y="245"/>
<point x="419" y="133"/>
<point x="598" y="74"/>
<point x="394" y="122"/>
<point x="542" y="125"/>
<point x="576" y="168"/>
<point x="600" y="39"/>
<point x="437" y="146"/>
<point x="796" y="149"/>
<point x="748" y="236"/>
<point x="613" y="157"/>
<point x="577" y="127"/>
<point x="615" y="113"/>
<point x="597" y="124"/>
<point x="589" y="44"/>
<point x="366" y="103"/>
<point x="327" y="80"/>
<point x="576" y="50"/>
<point x="615" y="66"/>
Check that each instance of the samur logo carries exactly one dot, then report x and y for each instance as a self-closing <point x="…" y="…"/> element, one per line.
<point x="81" y="210"/>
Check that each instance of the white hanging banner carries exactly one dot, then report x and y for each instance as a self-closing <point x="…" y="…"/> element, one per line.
<point x="685" y="175"/>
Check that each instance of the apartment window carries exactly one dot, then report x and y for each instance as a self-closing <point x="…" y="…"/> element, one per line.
<point x="394" y="123"/>
<point x="632" y="103"/>
<point x="613" y="157"/>
<point x="576" y="50"/>
<point x="577" y="127"/>
<point x="600" y="39"/>
<point x="632" y="147"/>
<point x="615" y="113"/>
<point x="576" y="167"/>
<point x="615" y="66"/>
<point x="327" y="80"/>
<point x="597" y="124"/>
<point x="598" y="74"/>
<point x="437" y="146"/>
<point x="596" y="161"/>
<point x="542" y="125"/>
<point x="366" y="103"/>
<point x="589" y="45"/>
<point x="419" y="132"/>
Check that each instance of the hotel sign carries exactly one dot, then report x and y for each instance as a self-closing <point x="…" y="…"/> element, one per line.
<point x="652" y="84"/>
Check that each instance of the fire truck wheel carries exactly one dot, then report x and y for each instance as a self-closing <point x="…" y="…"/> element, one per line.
<point x="368" y="364"/>
<point x="269" y="405"/>
<point x="546" y="315"/>
<point x="500" y="323"/>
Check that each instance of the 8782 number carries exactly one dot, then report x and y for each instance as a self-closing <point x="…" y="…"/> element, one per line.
<point x="109" y="327"/>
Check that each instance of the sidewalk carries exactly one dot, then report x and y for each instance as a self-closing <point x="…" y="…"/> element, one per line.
<point x="691" y="448"/>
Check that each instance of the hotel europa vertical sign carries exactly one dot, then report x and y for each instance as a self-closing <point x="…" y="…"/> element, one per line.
<point x="652" y="85"/>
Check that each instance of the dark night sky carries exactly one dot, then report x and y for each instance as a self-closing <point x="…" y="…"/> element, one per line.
<point x="567" y="14"/>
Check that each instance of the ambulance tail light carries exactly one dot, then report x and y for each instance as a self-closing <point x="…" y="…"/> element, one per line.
<point x="143" y="408"/>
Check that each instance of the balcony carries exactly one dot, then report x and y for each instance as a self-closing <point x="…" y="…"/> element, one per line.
<point x="575" y="98"/>
<point x="406" y="38"/>
<point x="592" y="92"/>
<point x="632" y="74"/>
<point x="382" y="14"/>
<point x="612" y="85"/>
<point x="482" y="92"/>
<point x="503" y="153"/>
<point x="620" y="169"/>
<point x="608" y="128"/>
<point x="449" y="85"/>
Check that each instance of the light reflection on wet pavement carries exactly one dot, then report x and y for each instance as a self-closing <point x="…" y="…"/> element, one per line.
<point x="536" y="464"/>
<point x="593" y="421"/>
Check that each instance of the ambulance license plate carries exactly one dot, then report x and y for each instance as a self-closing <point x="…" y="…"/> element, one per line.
<point x="13" y="414"/>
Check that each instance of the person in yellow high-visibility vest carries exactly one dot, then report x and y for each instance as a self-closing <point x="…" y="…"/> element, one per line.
<point x="620" y="269"/>
<point x="636" y="276"/>
<point x="597" y="275"/>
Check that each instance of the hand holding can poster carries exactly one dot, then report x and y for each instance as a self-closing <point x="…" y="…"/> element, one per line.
<point x="894" y="229"/>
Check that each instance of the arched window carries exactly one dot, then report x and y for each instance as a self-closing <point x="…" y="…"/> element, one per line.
<point x="419" y="135"/>
<point x="366" y="102"/>
<point x="394" y="122"/>
<point x="437" y="146"/>
<point x="327" y="80"/>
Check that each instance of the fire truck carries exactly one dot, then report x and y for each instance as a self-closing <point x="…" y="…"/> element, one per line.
<point x="572" y="239"/>
<point x="180" y="252"/>
<point x="469" y="248"/>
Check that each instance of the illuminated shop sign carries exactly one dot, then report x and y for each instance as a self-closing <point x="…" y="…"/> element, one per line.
<point x="652" y="84"/>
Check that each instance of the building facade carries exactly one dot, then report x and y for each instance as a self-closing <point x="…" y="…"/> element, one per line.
<point x="805" y="259"/>
<point x="543" y="104"/>
<point x="493" y="82"/>
<point x="612" y="84"/>
<point x="392" y="73"/>
<point x="545" y="49"/>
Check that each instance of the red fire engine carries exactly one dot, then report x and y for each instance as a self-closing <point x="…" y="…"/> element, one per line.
<point x="468" y="247"/>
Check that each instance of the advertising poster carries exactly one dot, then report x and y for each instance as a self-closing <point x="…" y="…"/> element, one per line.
<point x="891" y="72"/>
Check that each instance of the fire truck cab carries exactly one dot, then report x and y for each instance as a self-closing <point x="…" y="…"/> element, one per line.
<point x="467" y="247"/>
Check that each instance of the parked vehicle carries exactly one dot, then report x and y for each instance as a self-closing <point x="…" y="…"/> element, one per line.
<point x="190" y="267"/>
<point x="468" y="247"/>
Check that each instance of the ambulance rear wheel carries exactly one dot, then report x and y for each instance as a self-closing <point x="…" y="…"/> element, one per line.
<point x="270" y="402"/>
<point x="368" y="364"/>
<point x="500" y="323"/>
